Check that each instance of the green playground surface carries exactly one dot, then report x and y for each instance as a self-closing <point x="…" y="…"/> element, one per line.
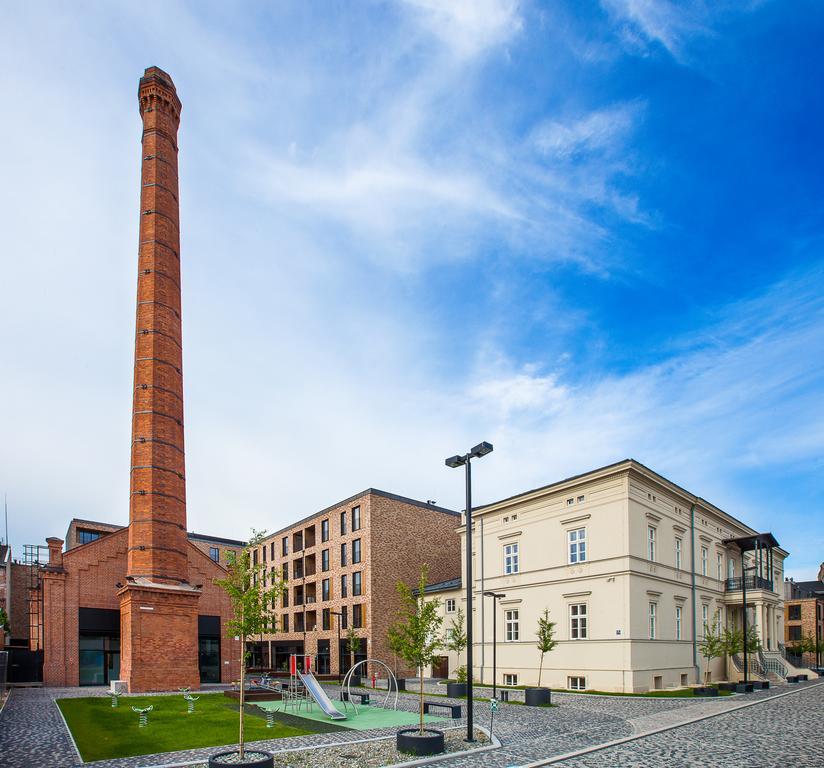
<point x="367" y="717"/>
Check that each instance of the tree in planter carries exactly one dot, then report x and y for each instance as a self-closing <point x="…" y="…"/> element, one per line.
<point x="245" y="584"/>
<point x="806" y="644"/>
<point x="415" y="635"/>
<point x="546" y="639"/>
<point x="711" y="646"/>
<point x="733" y="641"/>
<point x="456" y="641"/>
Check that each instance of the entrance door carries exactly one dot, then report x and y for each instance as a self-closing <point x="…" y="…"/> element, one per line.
<point x="441" y="667"/>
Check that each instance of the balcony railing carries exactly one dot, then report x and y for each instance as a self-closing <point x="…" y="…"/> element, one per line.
<point x="753" y="582"/>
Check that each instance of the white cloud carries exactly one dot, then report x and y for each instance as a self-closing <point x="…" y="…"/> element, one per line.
<point x="469" y="27"/>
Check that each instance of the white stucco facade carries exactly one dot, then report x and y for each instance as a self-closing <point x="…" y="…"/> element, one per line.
<point x="610" y="553"/>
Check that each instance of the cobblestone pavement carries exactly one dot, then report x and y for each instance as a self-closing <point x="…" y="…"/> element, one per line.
<point x="778" y="732"/>
<point x="32" y="731"/>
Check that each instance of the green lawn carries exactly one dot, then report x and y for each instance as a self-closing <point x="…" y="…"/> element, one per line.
<point x="103" y="732"/>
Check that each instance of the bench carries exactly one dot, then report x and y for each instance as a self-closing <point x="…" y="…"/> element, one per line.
<point x="455" y="709"/>
<point x="364" y="697"/>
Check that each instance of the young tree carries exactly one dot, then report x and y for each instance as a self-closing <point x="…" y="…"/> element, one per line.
<point x="245" y="584"/>
<point x="456" y="641"/>
<point x="352" y="645"/>
<point x="732" y="641"/>
<point x="546" y="639"/>
<point x="711" y="646"/>
<point x="415" y="635"/>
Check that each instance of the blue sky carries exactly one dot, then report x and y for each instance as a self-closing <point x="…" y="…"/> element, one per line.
<point x="582" y="231"/>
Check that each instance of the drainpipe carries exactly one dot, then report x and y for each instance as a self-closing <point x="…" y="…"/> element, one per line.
<point x="483" y="602"/>
<point x="694" y="606"/>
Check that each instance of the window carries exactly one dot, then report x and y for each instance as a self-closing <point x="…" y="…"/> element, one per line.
<point x="214" y="553"/>
<point x="730" y="568"/>
<point x="578" y="629"/>
<point x="678" y="616"/>
<point x="324" y="560"/>
<point x="576" y="683"/>
<point x="357" y="616"/>
<point x="510" y="679"/>
<point x="577" y="541"/>
<point x="284" y="621"/>
<point x="343" y="587"/>
<point x="85" y="537"/>
<point x="794" y="633"/>
<point x="325" y="590"/>
<point x="653" y="620"/>
<point x="285" y="571"/>
<point x="263" y="553"/>
<point x="794" y="613"/>
<point x="651" y="542"/>
<point x="326" y="618"/>
<point x="580" y="500"/>
<point x="272" y="550"/>
<point x="284" y="598"/>
<point x="254" y="557"/>
<point x="343" y="560"/>
<point x="679" y="542"/>
<point x="284" y="546"/>
<point x="705" y="619"/>
<point x="719" y="565"/>
<point x="511" y="558"/>
<point x="344" y="617"/>
<point x="570" y="502"/>
<point x="356" y="553"/>
<point x="512" y="624"/>
<point x="324" y="530"/>
<point x="704" y="554"/>
<point x="450" y="605"/>
<point x="357" y="586"/>
<point x="343" y="523"/>
<point x="356" y="518"/>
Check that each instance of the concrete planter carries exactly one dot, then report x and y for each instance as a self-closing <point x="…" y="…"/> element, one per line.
<point x="411" y="742"/>
<point x="536" y="697"/>
<point x="253" y="758"/>
<point x="456" y="690"/>
<point x="401" y="684"/>
<point x="705" y="690"/>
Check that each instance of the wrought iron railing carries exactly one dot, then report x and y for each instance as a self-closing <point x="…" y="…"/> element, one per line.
<point x="772" y="664"/>
<point x="735" y="584"/>
<point x="754" y="666"/>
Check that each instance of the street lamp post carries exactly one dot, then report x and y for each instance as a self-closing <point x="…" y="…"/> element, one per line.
<point x="482" y="449"/>
<point x="339" y="615"/>
<point x="495" y="597"/>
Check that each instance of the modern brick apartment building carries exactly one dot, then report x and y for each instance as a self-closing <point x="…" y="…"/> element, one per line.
<point x="804" y="616"/>
<point x="342" y="565"/>
<point x="139" y="603"/>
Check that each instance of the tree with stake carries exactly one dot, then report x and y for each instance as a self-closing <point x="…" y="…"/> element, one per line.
<point x="352" y="646"/>
<point x="546" y="639"/>
<point x="711" y="646"/>
<point x="415" y="637"/>
<point x="245" y="584"/>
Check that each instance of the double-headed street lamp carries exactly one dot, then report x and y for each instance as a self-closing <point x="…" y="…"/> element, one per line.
<point x="465" y="461"/>
<point x="495" y="597"/>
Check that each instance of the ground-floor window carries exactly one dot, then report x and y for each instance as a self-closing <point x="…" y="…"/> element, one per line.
<point x="510" y="679"/>
<point x="576" y="683"/>
<point x="98" y="645"/>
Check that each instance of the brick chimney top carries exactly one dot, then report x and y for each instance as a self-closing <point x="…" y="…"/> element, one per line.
<point x="55" y="551"/>
<point x="157" y="90"/>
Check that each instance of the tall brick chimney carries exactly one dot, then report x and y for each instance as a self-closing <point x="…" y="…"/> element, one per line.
<point x="158" y="605"/>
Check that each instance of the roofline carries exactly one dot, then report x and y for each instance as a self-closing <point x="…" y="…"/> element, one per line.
<point x="628" y="465"/>
<point x="362" y="494"/>
<point x="95" y="522"/>
<point x="443" y="586"/>
<point x="217" y="539"/>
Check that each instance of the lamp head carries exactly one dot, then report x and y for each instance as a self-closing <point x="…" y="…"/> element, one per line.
<point x="455" y="461"/>
<point x="481" y="449"/>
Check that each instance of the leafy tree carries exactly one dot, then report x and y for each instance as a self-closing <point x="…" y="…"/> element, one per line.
<point x="753" y="640"/>
<point x="245" y="584"/>
<point x="546" y="639"/>
<point x="4" y="620"/>
<point x="415" y="634"/>
<point x="352" y="645"/>
<point x="712" y="646"/>
<point x="806" y="644"/>
<point x="456" y="641"/>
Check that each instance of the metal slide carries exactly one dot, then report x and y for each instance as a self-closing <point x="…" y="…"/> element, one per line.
<point x="319" y="695"/>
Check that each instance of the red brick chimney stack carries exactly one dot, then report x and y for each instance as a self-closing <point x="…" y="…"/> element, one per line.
<point x="158" y="606"/>
<point x="157" y="511"/>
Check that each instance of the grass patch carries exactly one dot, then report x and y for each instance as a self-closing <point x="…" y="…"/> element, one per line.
<point x="103" y="732"/>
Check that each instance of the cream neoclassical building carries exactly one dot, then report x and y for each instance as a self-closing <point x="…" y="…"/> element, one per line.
<point x="631" y="567"/>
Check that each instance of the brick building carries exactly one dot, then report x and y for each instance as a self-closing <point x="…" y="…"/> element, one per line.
<point x="139" y="603"/>
<point x="804" y="616"/>
<point x="341" y="566"/>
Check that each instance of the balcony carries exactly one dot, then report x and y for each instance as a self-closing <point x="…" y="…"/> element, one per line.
<point x="753" y="582"/>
